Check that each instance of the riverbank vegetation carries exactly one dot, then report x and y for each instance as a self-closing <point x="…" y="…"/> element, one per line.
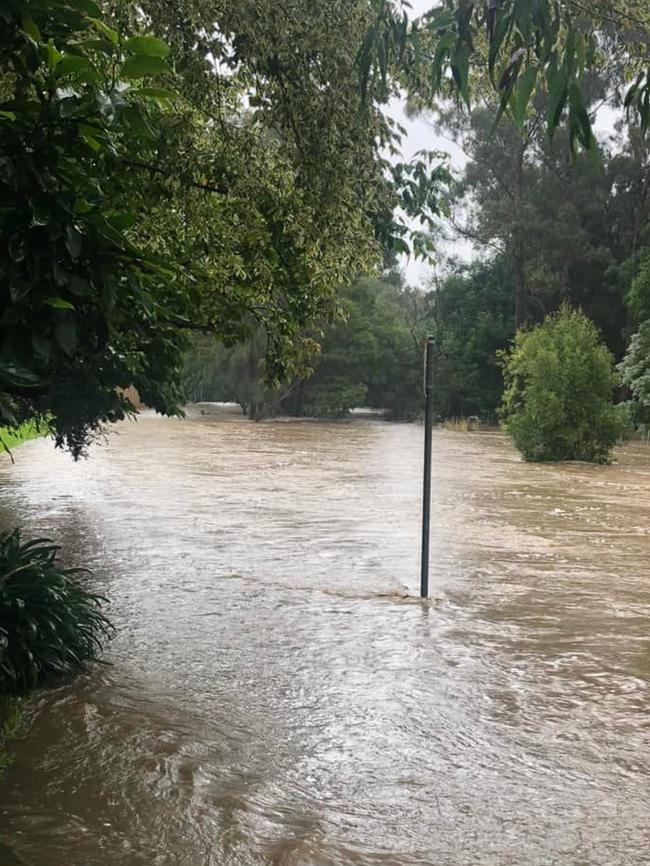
<point x="10" y="437"/>
<point x="547" y="227"/>
<point x="559" y="383"/>
<point x="50" y="623"/>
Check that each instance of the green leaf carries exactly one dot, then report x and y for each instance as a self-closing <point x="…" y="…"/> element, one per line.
<point x="460" y="70"/>
<point x="73" y="241"/>
<point x="91" y="142"/>
<point x="147" y="46"/>
<point x="30" y="28"/>
<point x="399" y="245"/>
<point x="42" y="346"/>
<point x="139" y="66"/>
<point x="97" y="132"/>
<point x="102" y="45"/>
<point x="580" y="116"/>
<point x="558" y="87"/>
<point x="99" y="25"/>
<point x="138" y="122"/>
<point x="70" y="64"/>
<point x="525" y="87"/>
<point x="58" y="304"/>
<point x="446" y="42"/>
<point x="122" y="221"/>
<point x="66" y="335"/>
<point x="496" y="40"/>
<point x="50" y="55"/>
<point x="86" y="6"/>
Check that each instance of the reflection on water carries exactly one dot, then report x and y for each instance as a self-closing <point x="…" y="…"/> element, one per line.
<point x="272" y="698"/>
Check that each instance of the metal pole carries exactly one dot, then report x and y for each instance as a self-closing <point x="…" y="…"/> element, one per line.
<point x="426" y="487"/>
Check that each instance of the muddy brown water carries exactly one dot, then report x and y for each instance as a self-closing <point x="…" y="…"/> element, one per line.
<point x="272" y="698"/>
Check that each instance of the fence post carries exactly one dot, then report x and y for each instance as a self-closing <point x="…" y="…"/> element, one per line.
<point x="426" y="487"/>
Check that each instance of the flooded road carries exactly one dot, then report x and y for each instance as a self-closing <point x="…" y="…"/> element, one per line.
<point x="272" y="699"/>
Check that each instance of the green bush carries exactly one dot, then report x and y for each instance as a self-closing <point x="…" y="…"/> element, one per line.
<point x="635" y="371"/>
<point x="49" y="623"/>
<point x="559" y="379"/>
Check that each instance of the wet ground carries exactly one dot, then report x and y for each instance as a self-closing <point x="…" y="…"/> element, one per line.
<point x="273" y="699"/>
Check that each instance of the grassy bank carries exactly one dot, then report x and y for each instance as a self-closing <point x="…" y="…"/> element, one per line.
<point x="10" y="437"/>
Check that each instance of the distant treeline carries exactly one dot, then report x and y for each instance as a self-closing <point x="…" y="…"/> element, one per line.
<point x="547" y="228"/>
<point x="372" y="355"/>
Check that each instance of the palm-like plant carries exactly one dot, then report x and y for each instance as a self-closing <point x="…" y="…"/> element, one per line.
<point x="50" y="624"/>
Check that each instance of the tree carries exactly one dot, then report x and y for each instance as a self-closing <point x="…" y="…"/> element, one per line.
<point x="227" y="198"/>
<point x="512" y="50"/>
<point x="471" y="319"/>
<point x="635" y="369"/>
<point x="83" y="311"/>
<point x="560" y="222"/>
<point x="369" y="355"/>
<point x="559" y="379"/>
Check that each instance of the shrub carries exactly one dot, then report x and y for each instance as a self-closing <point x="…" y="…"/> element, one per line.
<point x="635" y="372"/>
<point x="49" y="623"/>
<point x="559" y="379"/>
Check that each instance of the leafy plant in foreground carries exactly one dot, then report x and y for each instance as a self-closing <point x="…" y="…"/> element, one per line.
<point x="49" y="623"/>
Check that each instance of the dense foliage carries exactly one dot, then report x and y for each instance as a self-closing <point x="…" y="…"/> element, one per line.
<point x="511" y="50"/>
<point x="50" y="624"/>
<point x="370" y="355"/>
<point x="222" y="172"/>
<point x="470" y="315"/>
<point x="559" y="379"/>
<point x="635" y="370"/>
<point x="78" y="316"/>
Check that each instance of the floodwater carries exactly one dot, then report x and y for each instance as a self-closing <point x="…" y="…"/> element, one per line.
<point x="273" y="699"/>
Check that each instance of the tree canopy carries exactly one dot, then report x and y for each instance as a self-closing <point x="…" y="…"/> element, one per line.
<point x="513" y="49"/>
<point x="222" y="170"/>
<point x="558" y="400"/>
<point x="182" y="166"/>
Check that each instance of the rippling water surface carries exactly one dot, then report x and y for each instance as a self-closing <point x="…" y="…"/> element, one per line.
<point x="272" y="698"/>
